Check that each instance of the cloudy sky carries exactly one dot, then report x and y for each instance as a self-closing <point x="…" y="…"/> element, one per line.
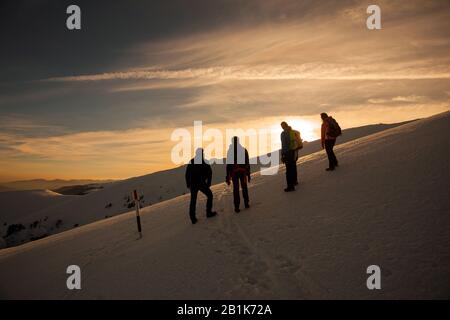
<point x="103" y="101"/>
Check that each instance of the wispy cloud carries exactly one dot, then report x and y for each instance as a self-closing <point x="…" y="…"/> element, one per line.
<point x="400" y="99"/>
<point x="25" y="125"/>
<point x="319" y="46"/>
<point x="310" y="71"/>
<point x="412" y="98"/>
<point x="130" y="145"/>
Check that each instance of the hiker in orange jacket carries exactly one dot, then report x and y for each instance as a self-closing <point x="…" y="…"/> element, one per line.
<point x="328" y="141"/>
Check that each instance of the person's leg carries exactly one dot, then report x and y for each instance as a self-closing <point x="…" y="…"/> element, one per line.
<point x="209" y="195"/>
<point x="236" y="195"/>
<point x="243" y="179"/>
<point x="293" y="174"/>
<point x="290" y="170"/>
<point x="329" y="149"/>
<point x="294" y="170"/>
<point x="192" y="205"/>
<point x="333" y="155"/>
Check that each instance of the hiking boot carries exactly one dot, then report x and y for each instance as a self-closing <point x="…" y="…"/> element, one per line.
<point x="211" y="214"/>
<point x="289" y="189"/>
<point x="237" y="210"/>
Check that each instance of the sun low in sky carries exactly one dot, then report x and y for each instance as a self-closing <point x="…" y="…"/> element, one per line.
<point x="101" y="102"/>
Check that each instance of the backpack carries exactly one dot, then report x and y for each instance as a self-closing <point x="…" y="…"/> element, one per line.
<point x="237" y="164"/>
<point x="296" y="142"/>
<point x="334" y="130"/>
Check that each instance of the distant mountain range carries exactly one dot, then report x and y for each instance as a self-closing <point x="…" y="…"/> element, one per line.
<point x="84" y="186"/>
<point x="4" y="189"/>
<point x="42" y="184"/>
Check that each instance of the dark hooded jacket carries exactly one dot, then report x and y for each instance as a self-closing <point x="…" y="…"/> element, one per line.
<point x="198" y="174"/>
<point x="237" y="160"/>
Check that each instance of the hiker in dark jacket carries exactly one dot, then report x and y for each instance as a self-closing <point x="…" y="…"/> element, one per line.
<point x="288" y="157"/>
<point x="198" y="178"/>
<point x="238" y="171"/>
<point x="328" y="141"/>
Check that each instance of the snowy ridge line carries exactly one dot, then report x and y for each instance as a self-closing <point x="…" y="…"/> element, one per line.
<point x="159" y="187"/>
<point x="385" y="205"/>
<point x="318" y="155"/>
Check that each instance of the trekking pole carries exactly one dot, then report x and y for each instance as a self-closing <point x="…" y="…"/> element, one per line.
<point x="138" y="218"/>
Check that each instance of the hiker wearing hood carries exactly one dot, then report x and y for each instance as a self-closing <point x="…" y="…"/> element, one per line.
<point x="330" y="131"/>
<point x="238" y="171"/>
<point x="198" y="178"/>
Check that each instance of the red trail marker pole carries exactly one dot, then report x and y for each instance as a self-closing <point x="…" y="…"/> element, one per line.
<point x="138" y="217"/>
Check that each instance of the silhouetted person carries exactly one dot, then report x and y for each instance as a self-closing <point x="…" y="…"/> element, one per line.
<point x="296" y="144"/>
<point x="330" y="131"/>
<point x="238" y="171"/>
<point x="289" y="156"/>
<point x="198" y="178"/>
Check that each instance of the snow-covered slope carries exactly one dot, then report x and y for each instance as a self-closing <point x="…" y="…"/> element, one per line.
<point x="23" y="207"/>
<point x="386" y="205"/>
<point x="23" y="203"/>
<point x="115" y="197"/>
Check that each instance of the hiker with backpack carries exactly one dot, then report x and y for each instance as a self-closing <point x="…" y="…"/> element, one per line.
<point x="291" y="143"/>
<point x="330" y="131"/>
<point x="238" y="172"/>
<point x="198" y="178"/>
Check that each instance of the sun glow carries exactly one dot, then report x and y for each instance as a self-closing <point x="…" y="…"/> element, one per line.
<point x="309" y="128"/>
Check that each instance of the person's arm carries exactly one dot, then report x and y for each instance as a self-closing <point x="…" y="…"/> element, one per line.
<point x="188" y="175"/>
<point x="247" y="165"/>
<point x="323" y="133"/>
<point x="228" y="168"/>
<point x="284" y="143"/>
